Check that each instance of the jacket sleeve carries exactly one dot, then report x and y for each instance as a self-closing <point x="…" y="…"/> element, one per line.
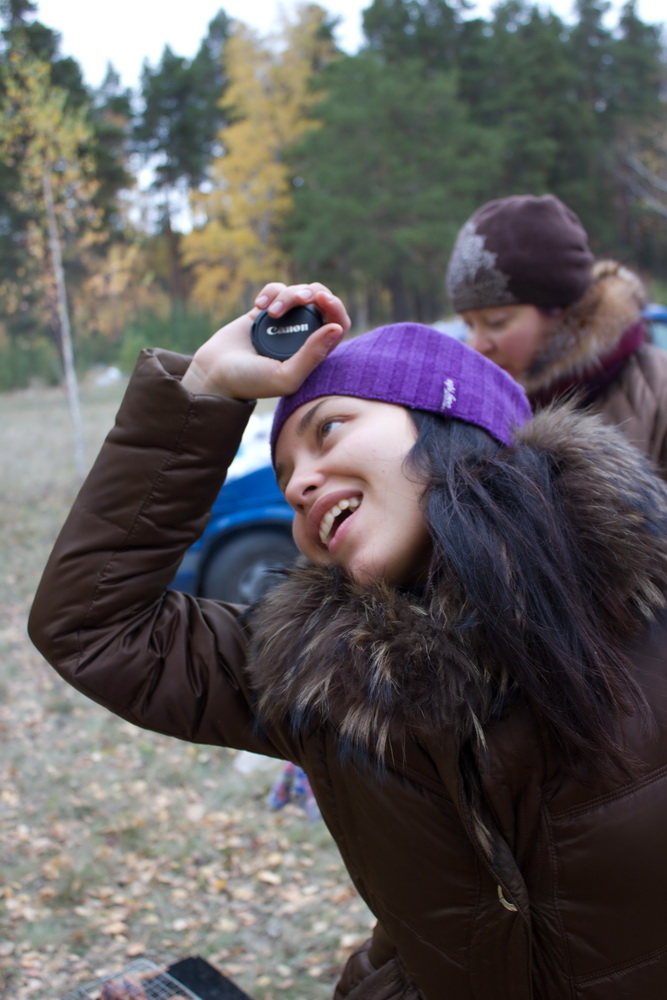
<point x="102" y="615"/>
<point x="636" y="403"/>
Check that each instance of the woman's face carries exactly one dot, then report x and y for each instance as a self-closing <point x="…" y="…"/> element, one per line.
<point x="340" y="463"/>
<point x="509" y="335"/>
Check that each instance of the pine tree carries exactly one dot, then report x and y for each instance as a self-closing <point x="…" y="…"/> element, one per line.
<point x="386" y="180"/>
<point x="640" y="148"/>
<point x="177" y="129"/>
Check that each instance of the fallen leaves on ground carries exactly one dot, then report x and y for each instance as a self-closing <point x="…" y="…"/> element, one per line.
<point x="116" y="843"/>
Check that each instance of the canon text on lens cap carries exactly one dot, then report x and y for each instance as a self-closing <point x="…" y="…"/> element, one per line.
<point x="281" y="337"/>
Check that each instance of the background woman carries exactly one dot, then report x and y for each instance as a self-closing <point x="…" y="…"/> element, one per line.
<point x="463" y="663"/>
<point x="522" y="276"/>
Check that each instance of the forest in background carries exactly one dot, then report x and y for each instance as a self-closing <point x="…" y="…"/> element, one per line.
<point x="292" y="160"/>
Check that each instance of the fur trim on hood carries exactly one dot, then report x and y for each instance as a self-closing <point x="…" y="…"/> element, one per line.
<point x="379" y="663"/>
<point x="590" y="329"/>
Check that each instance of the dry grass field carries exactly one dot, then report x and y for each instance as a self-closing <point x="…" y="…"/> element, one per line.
<point x="116" y="843"/>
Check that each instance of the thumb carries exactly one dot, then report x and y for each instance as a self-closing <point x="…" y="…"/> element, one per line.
<point x="295" y="370"/>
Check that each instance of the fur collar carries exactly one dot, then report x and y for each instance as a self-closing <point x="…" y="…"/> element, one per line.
<point x="375" y="661"/>
<point x="589" y="330"/>
<point x="378" y="663"/>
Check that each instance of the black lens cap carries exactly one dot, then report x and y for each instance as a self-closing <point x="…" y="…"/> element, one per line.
<point x="281" y="338"/>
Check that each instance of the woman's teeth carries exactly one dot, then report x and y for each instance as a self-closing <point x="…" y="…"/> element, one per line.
<point x="327" y="522"/>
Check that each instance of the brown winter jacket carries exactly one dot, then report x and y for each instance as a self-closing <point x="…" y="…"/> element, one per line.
<point x="598" y="349"/>
<point x="532" y="887"/>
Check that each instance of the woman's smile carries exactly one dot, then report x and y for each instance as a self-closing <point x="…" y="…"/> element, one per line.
<point x="341" y="463"/>
<point x="323" y="517"/>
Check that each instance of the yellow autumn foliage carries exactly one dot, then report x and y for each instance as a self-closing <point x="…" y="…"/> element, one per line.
<point x="121" y="285"/>
<point x="234" y="247"/>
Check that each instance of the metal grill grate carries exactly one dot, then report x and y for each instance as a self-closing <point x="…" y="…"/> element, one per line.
<point x="141" y="980"/>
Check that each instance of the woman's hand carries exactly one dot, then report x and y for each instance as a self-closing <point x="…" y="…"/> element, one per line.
<point x="228" y="365"/>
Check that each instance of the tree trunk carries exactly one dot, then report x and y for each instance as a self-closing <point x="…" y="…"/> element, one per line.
<point x="176" y="287"/>
<point x="65" y="331"/>
<point x="400" y="309"/>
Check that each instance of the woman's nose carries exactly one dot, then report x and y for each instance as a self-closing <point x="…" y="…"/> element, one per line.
<point x="478" y="341"/>
<point x="304" y="481"/>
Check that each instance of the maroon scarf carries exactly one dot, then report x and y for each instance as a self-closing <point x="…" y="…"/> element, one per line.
<point x="598" y="375"/>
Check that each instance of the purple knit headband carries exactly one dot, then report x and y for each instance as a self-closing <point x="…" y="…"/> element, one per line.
<point x="418" y="367"/>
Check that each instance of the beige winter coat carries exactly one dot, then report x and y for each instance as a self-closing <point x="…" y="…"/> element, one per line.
<point x="586" y="352"/>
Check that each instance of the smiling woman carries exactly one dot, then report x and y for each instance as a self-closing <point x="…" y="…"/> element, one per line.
<point x="345" y="436"/>
<point x="468" y="662"/>
<point x="354" y="505"/>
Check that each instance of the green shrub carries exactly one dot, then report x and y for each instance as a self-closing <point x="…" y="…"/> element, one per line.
<point x="182" y="330"/>
<point x="94" y="349"/>
<point x="24" y="362"/>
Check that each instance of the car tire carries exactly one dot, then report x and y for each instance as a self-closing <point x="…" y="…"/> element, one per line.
<point x="241" y="570"/>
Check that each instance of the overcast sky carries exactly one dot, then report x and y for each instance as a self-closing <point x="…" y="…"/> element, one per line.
<point x="125" y="32"/>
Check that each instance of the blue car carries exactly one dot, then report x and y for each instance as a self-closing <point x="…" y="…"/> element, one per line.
<point x="249" y="534"/>
<point x="656" y="315"/>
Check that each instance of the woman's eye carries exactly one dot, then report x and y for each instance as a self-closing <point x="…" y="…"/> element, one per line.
<point x="327" y="426"/>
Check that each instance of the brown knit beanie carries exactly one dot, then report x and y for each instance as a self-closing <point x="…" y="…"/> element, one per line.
<point x="520" y="250"/>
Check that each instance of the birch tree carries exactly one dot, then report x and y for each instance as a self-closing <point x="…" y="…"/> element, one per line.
<point x="43" y="139"/>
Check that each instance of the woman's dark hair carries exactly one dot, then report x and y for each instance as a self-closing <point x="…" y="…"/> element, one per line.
<point x="502" y="536"/>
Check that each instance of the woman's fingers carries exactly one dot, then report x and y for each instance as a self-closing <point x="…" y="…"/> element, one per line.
<point x="269" y="293"/>
<point x="278" y="298"/>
